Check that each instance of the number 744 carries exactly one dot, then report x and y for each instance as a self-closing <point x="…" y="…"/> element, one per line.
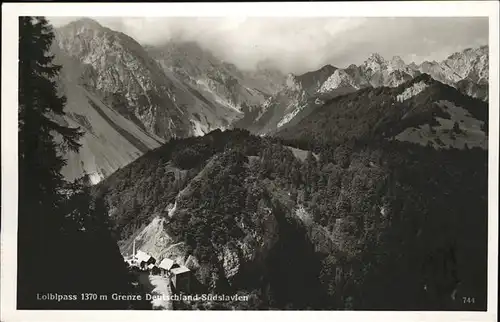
<point x="469" y="300"/>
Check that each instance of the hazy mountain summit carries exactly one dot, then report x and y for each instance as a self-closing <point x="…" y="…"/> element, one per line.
<point x="218" y="79"/>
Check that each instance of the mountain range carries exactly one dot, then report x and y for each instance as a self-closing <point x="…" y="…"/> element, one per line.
<point x="467" y="71"/>
<point x="310" y="191"/>
<point x="143" y="96"/>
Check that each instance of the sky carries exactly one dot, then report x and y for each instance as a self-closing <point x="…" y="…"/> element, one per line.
<point x="301" y="44"/>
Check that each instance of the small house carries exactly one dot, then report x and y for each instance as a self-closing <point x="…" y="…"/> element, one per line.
<point x="166" y="265"/>
<point x="181" y="278"/>
<point x="144" y="259"/>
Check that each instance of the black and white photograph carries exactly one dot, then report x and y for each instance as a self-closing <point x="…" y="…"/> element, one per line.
<point x="251" y="163"/>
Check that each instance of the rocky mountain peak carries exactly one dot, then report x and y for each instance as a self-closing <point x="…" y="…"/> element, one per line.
<point x="83" y="24"/>
<point x="313" y="80"/>
<point x="412" y="65"/>
<point x="375" y="62"/>
<point x="120" y="71"/>
<point x="328" y="68"/>
<point x="470" y="67"/>
<point x="339" y="79"/>
<point x="376" y="57"/>
<point x="397" y="62"/>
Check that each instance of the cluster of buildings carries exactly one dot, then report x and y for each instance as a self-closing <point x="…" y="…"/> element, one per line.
<point x="179" y="275"/>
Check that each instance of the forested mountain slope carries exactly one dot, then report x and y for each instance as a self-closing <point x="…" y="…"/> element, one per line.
<point x="422" y="111"/>
<point x="248" y="215"/>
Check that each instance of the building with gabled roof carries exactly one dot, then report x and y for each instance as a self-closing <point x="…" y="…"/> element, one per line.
<point x="144" y="259"/>
<point x="166" y="264"/>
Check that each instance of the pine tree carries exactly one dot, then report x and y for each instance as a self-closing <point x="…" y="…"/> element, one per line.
<point x="41" y="143"/>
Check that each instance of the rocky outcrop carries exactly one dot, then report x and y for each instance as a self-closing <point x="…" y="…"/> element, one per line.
<point x="470" y="64"/>
<point x="311" y="82"/>
<point x="472" y="89"/>
<point x="467" y="70"/>
<point x="339" y="79"/>
<point x="409" y="92"/>
<point x="230" y="261"/>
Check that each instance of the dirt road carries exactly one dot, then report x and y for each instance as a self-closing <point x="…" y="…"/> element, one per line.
<point x="159" y="288"/>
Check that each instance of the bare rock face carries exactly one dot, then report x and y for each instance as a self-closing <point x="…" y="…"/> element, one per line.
<point x="260" y="237"/>
<point x="338" y="79"/>
<point x="472" y="89"/>
<point x="230" y="261"/>
<point x="467" y="70"/>
<point x="292" y="83"/>
<point x="221" y="81"/>
<point x="379" y="72"/>
<point x="192" y="263"/>
<point x="298" y="93"/>
<point x="120" y="71"/>
<point x="470" y="63"/>
<point x="111" y="141"/>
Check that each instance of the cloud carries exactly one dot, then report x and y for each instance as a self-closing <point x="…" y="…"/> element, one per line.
<point x="302" y="44"/>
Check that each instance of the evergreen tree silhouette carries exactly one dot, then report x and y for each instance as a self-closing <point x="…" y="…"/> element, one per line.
<point x="64" y="240"/>
<point x="41" y="143"/>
